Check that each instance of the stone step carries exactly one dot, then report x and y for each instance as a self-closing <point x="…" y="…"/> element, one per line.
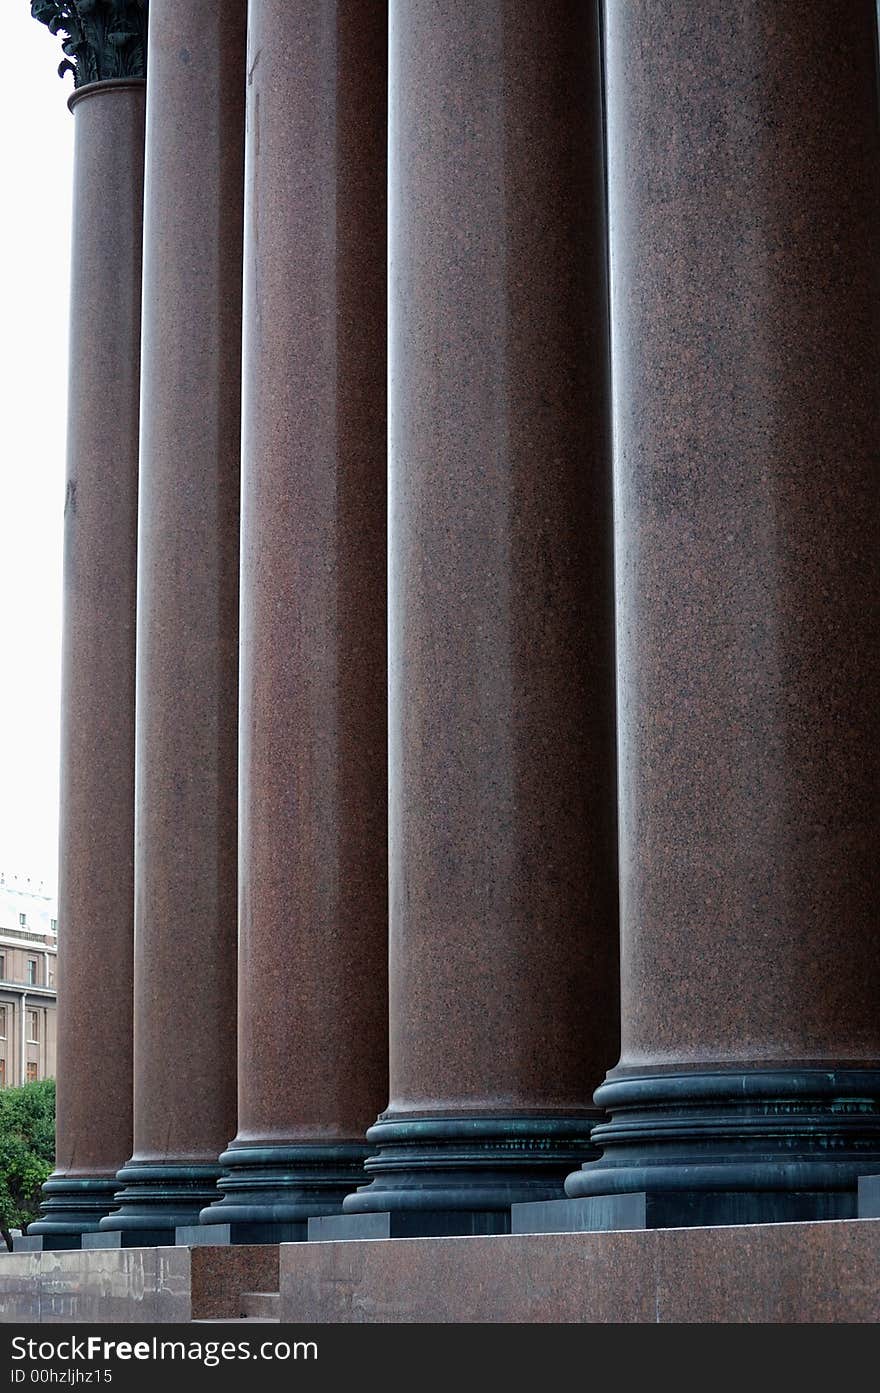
<point x="261" y="1305"/>
<point x="237" y="1320"/>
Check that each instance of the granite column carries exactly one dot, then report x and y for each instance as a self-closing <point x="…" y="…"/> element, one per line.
<point x="744" y="185"/>
<point x="187" y="646"/>
<point x="501" y="815"/>
<point x="313" y="1036"/>
<point x="94" y="1111"/>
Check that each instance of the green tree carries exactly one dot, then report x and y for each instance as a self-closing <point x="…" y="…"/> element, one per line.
<point x="27" y="1151"/>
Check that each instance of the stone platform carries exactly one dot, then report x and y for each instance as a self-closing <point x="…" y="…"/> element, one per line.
<point x="770" y="1273"/>
<point x="805" y="1272"/>
<point x="128" y="1285"/>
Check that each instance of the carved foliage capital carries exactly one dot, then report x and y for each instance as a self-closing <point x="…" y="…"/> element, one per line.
<point x="102" y="39"/>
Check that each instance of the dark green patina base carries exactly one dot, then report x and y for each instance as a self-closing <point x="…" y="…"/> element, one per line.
<point x="409" y="1223"/>
<point x="640" y="1210"/>
<point x="868" y="1197"/>
<point x="483" y="1164"/>
<point x="229" y="1235"/>
<point x="129" y="1238"/>
<point x="72" y="1206"/>
<point x="157" y="1199"/>
<point x="728" y="1147"/>
<point x="46" y="1242"/>
<point x="269" y="1193"/>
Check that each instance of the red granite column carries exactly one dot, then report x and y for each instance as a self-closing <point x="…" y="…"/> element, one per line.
<point x="502" y="874"/>
<point x="97" y="686"/>
<point x="313" y="1037"/>
<point x="744" y="183"/>
<point x="187" y="650"/>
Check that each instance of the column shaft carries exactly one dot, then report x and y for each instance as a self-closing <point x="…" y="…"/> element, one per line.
<point x="98" y="664"/>
<point x="187" y="709"/>
<point x="744" y="184"/>
<point x="313" y="1045"/>
<point x="501" y="816"/>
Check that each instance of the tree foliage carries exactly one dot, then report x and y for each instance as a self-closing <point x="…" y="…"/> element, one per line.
<point x="27" y="1150"/>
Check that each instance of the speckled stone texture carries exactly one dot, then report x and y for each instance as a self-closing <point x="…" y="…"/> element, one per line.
<point x="313" y="995"/>
<point x="744" y="173"/>
<point x="501" y="822"/>
<point x="774" y="1273"/>
<point x="187" y="649"/>
<point x="220" y="1276"/>
<point x="97" y="749"/>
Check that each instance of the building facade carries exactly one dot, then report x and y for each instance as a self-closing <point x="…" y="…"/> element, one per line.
<point x="471" y="538"/>
<point x="28" y="981"/>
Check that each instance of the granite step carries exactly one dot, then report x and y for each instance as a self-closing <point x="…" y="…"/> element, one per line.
<point x="236" y="1320"/>
<point x="257" y="1308"/>
<point x="261" y="1305"/>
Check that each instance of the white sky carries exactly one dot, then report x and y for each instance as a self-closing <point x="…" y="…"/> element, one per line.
<point x="36" y="164"/>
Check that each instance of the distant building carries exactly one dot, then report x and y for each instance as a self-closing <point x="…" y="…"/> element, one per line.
<point x="28" y="980"/>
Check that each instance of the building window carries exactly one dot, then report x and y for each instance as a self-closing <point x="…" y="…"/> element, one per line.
<point x="33" y="1027"/>
<point x="3" y="966"/>
<point x="22" y="919"/>
<point x="2" y="1022"/>
<point x="2" y="1073"/>
<point x="32" y="1073"/>
<point x="32" y="972"/>
<point x="53" y="925"/>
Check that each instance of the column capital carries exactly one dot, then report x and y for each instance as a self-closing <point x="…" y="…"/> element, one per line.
<point x="103" y="39"/>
